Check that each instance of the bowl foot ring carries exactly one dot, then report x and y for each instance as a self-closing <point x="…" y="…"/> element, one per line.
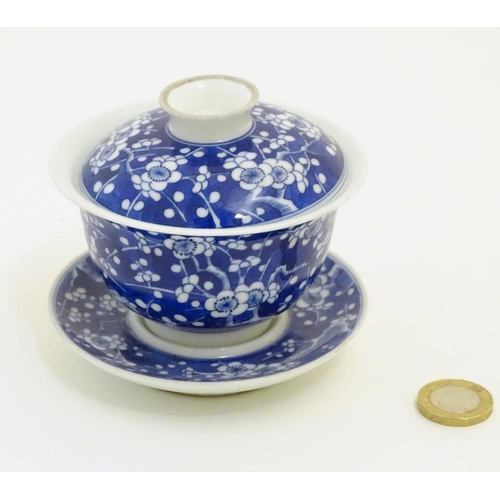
<point x="238" y="342"/>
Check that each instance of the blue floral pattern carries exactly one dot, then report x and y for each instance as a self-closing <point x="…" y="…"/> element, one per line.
<point x="95" y="321"/>
<point x="281" y="167"/>
<point x="208" y="282"/>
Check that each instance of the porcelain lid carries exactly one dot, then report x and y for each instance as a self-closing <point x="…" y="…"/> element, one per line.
<point x="213" y="157"/>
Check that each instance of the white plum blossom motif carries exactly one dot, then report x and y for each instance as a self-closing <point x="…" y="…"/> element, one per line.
<point x="210" y="246"/>
<point x="247" y="172"/>
<point x="188" y="372"/>
<point x="310" y="231"/>
<point x="316" y="296"/>
<point x="138" y="164"/>
<point x="304" y="234"/>
<point x="332" y="147"/>
<point x="287" y="121"/>
<point x="109" y="303"/>
<point x="133" y="128"/>
<point x="106" y="336"/>
<point x="107" y="152"/>
<point x="238" y="264"/>
<point x="311" y="131"/>
<point x="149" y="129"/>
<point x="201" y="179"/>
<point x="75" y="316"/>
<point x="257" y="294"/>
<point x="251" y="178"/>
<point x="108" y="268"/>
<point x="143" y="119"/>
<point x="236" y="369"/>
<point x="93" y="221"/>
<point x="289" y="345"/>
<point x="146" y="143"/>
<point x="142" y="243"/>
<point x="188" y="284"/>
<point x="76" y="295"/>
<point x="117" y="141"/>
<point x="147" y="277"/>
<point x="284" y="121"/>
<point x="242" y="159"/>
<point x="122" y="135"/>
<point x="106" y="342"/>
<point x="83" y="332"/>
<point x="233" y="244"/>
<point x="160" y="172"/>
<point x="284" y="174"/>
<point x="274" y="290"/>
<point x="300" y="177"/>
<point x="185" y="247"/>
<point x="281" y="140"/>
<point x="227" y="303"/>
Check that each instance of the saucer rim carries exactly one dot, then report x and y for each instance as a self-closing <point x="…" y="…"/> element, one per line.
<point x="208" y="388"/>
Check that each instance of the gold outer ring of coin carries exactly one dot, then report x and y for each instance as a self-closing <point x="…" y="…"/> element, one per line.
<point x="464" y="419"/>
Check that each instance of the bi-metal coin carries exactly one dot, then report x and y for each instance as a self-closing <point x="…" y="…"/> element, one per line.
<point x="454" y="402"/>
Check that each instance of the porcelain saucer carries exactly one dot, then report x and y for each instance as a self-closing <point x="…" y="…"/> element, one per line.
<point x="100" y="328"/>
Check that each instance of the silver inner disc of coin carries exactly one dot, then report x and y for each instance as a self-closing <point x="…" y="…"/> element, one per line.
<point x="455" y="399"/>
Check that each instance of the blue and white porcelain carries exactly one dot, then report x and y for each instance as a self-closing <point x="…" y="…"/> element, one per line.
<point x="281" y="166"/>
<point x="212" y="215"/>
<point x="99" y="327"/>
<point x="208" y="283"/>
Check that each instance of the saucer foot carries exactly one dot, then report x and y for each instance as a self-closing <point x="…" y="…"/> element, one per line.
<point x="208" y="345"/>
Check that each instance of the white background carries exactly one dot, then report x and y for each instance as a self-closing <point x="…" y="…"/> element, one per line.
<point x="422" y="234"/>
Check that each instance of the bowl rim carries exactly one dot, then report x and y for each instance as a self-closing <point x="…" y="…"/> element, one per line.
<point x="71" y="150"/>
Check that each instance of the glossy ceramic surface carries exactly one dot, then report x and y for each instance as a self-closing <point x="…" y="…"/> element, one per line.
<point x="281" y="167"/>
<point x="208" y="283"/>
<point x="95" y="323"/>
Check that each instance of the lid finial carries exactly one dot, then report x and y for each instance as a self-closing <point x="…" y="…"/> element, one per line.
<point x="209" y="109"/>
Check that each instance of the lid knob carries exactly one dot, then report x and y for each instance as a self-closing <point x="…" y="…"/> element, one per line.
<point x="209" y="109"/>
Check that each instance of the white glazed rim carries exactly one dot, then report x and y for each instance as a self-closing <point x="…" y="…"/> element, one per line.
<point x="71" y="150"/>
<point x="209" y="388"/>
<point x="167" y="91"/>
